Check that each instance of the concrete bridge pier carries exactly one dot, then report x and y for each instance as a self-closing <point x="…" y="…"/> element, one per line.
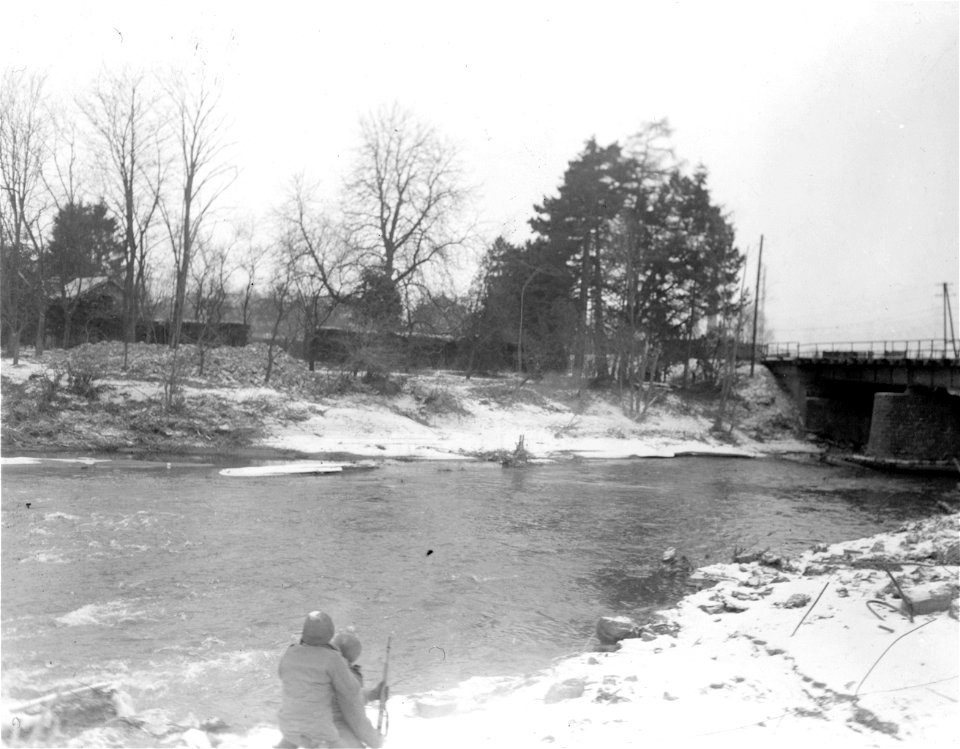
<point x="919" y="424"/>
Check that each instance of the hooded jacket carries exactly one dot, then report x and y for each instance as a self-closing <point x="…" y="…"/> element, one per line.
<point x="314" y="675"/>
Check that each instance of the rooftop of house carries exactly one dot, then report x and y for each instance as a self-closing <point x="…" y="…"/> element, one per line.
<point x="80" y="286"/>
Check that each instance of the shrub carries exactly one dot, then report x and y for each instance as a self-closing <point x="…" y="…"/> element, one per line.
<point x="381" y="382"/>
<point x="47" y="388"/>
<point x="436" y="401"/>
<point x="80" y="381"/>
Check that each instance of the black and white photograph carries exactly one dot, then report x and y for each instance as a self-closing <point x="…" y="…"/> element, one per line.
<point x="510" y="374"/>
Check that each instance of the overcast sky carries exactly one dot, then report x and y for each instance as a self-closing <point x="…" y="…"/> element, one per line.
<point x="831" y="129"/>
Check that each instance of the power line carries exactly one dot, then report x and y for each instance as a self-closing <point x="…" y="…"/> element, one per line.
<point x="910" y="317"/>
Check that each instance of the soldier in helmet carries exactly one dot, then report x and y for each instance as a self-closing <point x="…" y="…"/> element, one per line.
<point x="317" y="682"/>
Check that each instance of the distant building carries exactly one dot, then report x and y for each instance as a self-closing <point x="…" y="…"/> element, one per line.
<point x="101" y="286"/>
<point x="89" y="310"/>
<point x="85" y="310"/>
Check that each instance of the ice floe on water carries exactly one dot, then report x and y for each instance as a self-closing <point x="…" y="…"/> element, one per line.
<point x="24" y="461"/>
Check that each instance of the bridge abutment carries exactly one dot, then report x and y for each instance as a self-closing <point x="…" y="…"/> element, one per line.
<point x="897" y="410"/>
<point x="915" y="425"/>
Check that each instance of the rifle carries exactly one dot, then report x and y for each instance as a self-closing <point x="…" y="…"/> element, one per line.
<point x="383" y="720"/>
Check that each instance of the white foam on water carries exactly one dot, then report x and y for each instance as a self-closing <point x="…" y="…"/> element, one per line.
<point x="60" y="516"/>
<point x="116" y="545"/>
<point x="19" y="461"/>
<point x="232" y="662"/>
<point x="46" y="557"/>
<point x="100" y="614"/>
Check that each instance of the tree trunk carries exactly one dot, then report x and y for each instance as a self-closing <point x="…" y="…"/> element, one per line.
<point x="580" y="354"/>
<point x="40" y="340"/>
<point x="599" y="332"/>
<point x="13" y="316"/>
<point x="128" y="318"/>
<point x="67" y="327"/>
<point x="14" y="345"/>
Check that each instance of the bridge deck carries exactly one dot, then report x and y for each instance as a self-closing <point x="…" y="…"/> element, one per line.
<point x="886" y="363"/>
<point x="856" y="351"/>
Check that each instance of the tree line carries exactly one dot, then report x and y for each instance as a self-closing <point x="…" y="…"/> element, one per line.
<point x="149" y="149"/>
<point x="630" y="259"/>
<point x="127" y="181"/>
<point x="632" y="266"/>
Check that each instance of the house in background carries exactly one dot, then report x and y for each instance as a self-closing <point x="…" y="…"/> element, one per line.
<point x="85" y="310"/>
<point x="90" y="310"/>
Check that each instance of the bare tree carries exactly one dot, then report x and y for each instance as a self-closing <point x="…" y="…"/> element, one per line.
<point x="129" y="152"/>
<point x="210" y="277"/>
<point x="65" y="185"/>
<point x="318" y="245"/>
<point x="405" y="200"/>
<point x="203" y="176"/>
<point x="281" y="291"/>
<point x="326" y="269"/>
<point x="252" y="259"/>
<point x="25" y="151"/>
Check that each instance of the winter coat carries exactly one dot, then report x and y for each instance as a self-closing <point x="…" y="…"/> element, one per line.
<point x="313" y="677"/>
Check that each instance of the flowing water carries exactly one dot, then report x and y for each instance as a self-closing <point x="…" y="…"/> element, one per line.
<point x="185" y="586"/>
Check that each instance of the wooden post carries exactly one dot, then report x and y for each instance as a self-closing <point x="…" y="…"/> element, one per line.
<point x="756" y="309"/>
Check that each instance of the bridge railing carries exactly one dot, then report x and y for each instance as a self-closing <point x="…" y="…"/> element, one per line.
<point x="927" y="348"/>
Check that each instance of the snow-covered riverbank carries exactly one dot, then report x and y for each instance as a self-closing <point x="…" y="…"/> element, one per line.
<point x="424" y="416"/>
<point x="817" y="650"/>
<point x="786" y="653"/>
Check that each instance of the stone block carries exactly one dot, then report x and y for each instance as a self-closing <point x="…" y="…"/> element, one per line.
<point x="927" y="598"/>
<point x="611" y="629"/>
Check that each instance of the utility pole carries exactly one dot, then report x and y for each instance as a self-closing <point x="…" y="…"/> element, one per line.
<point x="948" y="314"/>
<point x="756" y="309"/>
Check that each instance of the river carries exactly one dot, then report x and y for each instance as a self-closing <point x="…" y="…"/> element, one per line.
<point x="184" y="586"/>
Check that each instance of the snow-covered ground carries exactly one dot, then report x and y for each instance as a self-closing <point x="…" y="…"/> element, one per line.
<point x="786" y="656"/>
<point x="442" y="415"/>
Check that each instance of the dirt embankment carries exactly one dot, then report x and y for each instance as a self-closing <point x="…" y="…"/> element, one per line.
<point x="217" y="401"/>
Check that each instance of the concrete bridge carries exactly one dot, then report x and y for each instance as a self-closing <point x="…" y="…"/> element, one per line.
<point x="896" y="402"/>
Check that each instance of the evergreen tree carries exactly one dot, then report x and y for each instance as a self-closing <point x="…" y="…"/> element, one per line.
<point x="492" y="321"/>
<point x="378" y="300"/>
<point x="523" y="316"/>
<point x="632" y="257"/>
<point x="84" y="247"/>
<point x="576" y="227"/>
<point x="688" y="266"/>
<point x="84" y="243"/>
